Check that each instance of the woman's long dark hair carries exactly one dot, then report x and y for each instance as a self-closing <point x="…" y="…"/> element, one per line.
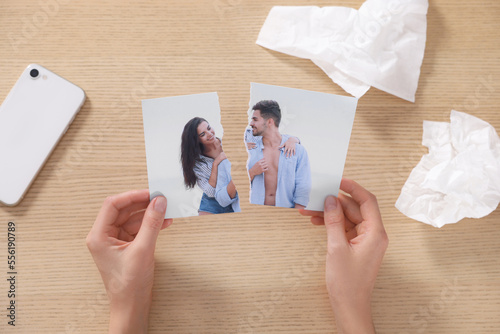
<point x="191" y="149"/>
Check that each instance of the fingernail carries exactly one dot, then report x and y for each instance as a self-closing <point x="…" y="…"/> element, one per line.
<point x="331" y="203"/>
<point x="160" y="204"/>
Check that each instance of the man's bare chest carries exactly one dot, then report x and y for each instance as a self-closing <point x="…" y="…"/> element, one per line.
<point x="272" y="157"/>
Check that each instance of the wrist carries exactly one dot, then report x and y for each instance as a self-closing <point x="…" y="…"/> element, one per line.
<point x="251" y="173"/>
<point x="353" y="317"/>
<point x="129" y="316"/>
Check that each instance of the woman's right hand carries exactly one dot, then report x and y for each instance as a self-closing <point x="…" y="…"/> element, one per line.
<point x="357" y="242"/>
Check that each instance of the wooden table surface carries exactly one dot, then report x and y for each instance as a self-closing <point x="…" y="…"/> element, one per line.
<point x="261" y="271"/>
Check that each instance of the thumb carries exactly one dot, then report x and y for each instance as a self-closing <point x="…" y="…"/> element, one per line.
<point x="334" y="222"/>
<point x="152" y="222"/>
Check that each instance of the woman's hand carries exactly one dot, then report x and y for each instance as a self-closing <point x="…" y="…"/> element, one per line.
<point x="251" y="146"/>
<point x="122" y="243"/>
<point x="289" y="146"/>
<point x="221" y="157"/>
<point x="356" y="245"/>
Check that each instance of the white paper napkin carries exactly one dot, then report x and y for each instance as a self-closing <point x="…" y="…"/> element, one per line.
<point x="381" y="45"/>
<point x="459" y="178"/>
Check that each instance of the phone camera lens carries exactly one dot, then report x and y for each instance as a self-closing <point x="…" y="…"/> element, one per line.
<point x="34" y="73"/>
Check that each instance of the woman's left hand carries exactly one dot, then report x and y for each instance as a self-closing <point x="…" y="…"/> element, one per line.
<point x="221" y="157"/>
<point x="289" y="146"/>
<point x="251" y="146"/>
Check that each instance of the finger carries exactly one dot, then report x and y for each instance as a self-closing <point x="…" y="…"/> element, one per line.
<point x="113" y="206"/>
<point x="351" y="209"/>
<point x="317" y="220"/>
<point x="167" y="223"/>
<point x="129" y="211"/>
<point x="152" y="223"/>
<point x="316" y="216"/>
<point x="367" y="202"/>
<point x="350" y="228"/>
<point x="311" y="213"/>
<point x="124" y="236"/>
<point x="334" y="222"/>
<point x="133" y="225"/>
<point x="351" y="234"/>
<point x="349" y="225"/>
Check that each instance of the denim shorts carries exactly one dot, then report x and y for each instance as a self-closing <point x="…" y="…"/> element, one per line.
<point x="210" y="204"/>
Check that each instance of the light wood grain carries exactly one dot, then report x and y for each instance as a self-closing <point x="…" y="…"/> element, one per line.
<point x="261" y="271"/>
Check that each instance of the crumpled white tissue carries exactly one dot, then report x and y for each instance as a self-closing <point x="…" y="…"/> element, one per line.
<point x="459" y="178"/>
<point x="381" y="45"/>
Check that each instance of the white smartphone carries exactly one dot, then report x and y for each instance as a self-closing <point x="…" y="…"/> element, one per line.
<point x="33" y="118"/>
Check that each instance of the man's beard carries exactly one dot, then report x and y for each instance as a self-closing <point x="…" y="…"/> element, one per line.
<point x="256" y="133"/>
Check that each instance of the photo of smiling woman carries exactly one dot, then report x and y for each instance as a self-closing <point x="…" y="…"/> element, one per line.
<point x="204" y="163"/>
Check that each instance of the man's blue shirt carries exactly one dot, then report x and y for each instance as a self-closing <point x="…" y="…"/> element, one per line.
<point x="223" y="179"/>
<point x="294" y="176"/>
